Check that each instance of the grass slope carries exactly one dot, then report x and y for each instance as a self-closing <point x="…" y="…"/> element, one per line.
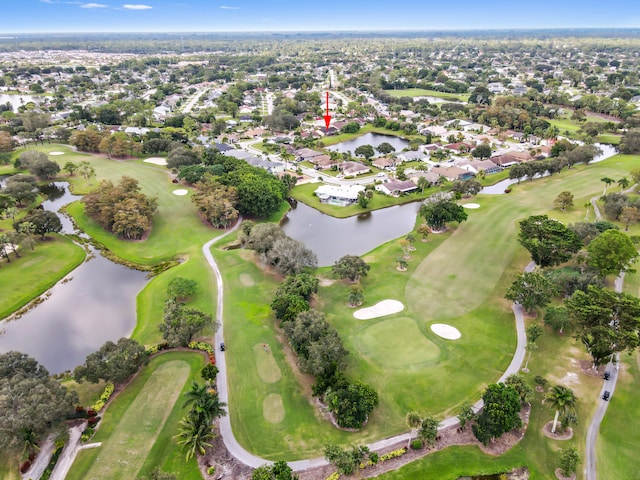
<point x="36" y="271"/>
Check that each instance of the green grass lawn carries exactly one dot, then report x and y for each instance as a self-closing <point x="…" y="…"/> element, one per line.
<point x="617" y="446"/>
<point x="421" y="92"/>
<point x="138" y="427"/>
<point x="441" y="284"/>
<point x="36" y="271"/>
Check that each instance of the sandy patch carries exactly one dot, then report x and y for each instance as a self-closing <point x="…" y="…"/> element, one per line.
<point x="181" y="192"/>
<point x="56" y="153"/>
<point x="471" y="205"/>
<point x="272" y="408"/>
<point x="268" y="369"/>
<point x="446" y="331"/>
<point x="246" y="280"/>
<point x="156" y="161"/>
<point x="380" y="309"/>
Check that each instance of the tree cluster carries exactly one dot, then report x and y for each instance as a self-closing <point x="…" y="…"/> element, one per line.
<point x="500" y="414"/>
<point x="216" y="202"/>
<point x="437" y="214"/>
<point x="113" y="362"/>
<point x="122" y="209"/>
<point x="32" y="403"/>
<point x="274" y="247"/>
<point x="38" y="164"/>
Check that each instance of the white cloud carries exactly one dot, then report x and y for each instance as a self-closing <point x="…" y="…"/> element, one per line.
<point x="225" y="7"/>
<point x="49" y="1"/>
<point x="129" y="6"/>
<point x="94" y="5"/>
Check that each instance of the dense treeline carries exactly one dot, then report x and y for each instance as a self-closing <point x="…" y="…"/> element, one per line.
<point x="122" y="209"/>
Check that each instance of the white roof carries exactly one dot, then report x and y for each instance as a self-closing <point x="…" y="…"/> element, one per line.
<point x="349" y="192"/>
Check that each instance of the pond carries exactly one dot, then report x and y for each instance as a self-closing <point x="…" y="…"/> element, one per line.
<point x="95" y="303"/>
<point x="18" y="100"/>
<point x="499" y="187"/>
<point x="331" y="238"/>
<point x="373" y="139"/>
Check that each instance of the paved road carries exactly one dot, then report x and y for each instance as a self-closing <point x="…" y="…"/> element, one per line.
<point x="254" y="461"/>
<point x="590" y="470"/>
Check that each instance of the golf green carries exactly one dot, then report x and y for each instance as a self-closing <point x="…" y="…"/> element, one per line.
<point x="267" y="367"/>
<point x="396" y="343"/>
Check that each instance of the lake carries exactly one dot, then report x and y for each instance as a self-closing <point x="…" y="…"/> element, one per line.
<point x="20" y="99"/>
<point x="373" y="139"/>
<point x="331" y="238"/>
<point x="95" y="303"/>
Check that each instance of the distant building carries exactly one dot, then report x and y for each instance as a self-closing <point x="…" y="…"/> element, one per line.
<point x="341" y="195"/>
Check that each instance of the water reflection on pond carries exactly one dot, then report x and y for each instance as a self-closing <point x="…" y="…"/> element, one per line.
<point x="331" y="238"/>
<point x="97" y="304"/>
<point x="373" y="139"/>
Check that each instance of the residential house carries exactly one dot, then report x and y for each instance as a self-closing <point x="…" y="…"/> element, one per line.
<point x="432" y="177"/>
<point x="396" y="188"/>
<point x="452" y="173"/>
<point x="411" y="155"/>
<point x="434" y="130"/>
<point x="504" y="160"/>
<point x="323" y="162"/>
<point x="342" y="195"/>
<point x="306" y="154"/>
<point x="384" y="163"/>
<point x="486" y="166"/>
<point x="353" y="168"/>
<point x="459" y="147"/>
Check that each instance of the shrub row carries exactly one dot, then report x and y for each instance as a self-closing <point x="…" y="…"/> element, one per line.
<point x="203" y="346"/>
<point x="393" y="454"/>
<point x="106" y="395"/>
<point x="52" y="463"/>
<point x="333" y="476"/>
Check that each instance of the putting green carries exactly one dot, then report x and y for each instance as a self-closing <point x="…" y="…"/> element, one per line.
<point x="396" y="343"/>
<point x="265" y="363"/>
<point x="247" y="280"/>
<point x="272" y="408"/>
<point x="124" y="452"/>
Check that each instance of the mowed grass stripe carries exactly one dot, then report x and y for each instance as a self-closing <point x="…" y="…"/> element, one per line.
<point x="124" y="452"/>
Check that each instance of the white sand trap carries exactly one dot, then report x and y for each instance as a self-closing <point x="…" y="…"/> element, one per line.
<point x="446" y="331"/>
<point x="156" y="160"/>
<point x="181" y="192"/>
<point x="56" y="153"/>
<point x="380" y="309"/>
<point x="470" y="205"/>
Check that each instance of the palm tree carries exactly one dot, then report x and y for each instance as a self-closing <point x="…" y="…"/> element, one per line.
<point x="413" y="422"/>
<point x="193" y="436"/>
<point x="607" y="181"/>
<point x="422" y="184"/>
<point x="624" y="182"/>
<point x="562" y="400"/>
<point x="205" y="406"/>
<point x="531" y="347"/>
<point x="356" y="296"/>
<point x="402" y="264"/>
<point x="587" y="205"/>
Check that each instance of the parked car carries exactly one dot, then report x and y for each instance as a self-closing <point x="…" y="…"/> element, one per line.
<point x="607" y="375"/>
<point x="606" y="395"/>
<point x="222" y="348"/>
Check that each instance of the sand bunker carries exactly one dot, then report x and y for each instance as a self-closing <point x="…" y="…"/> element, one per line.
<point x="180" y="192"/>
<point x="470" y="205"/>
<point x="380" y="309"/>
<point x="156" y="160"/>
<point x="446" y="331"/>
<point x="56" y="153"/>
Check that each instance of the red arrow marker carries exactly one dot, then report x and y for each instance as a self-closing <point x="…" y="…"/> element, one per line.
<point x="327" y="117"/>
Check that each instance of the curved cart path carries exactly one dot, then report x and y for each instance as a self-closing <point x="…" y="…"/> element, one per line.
<point x="254" y="461"/>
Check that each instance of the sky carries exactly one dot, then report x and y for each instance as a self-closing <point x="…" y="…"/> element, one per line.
<point x="66" y="16"/>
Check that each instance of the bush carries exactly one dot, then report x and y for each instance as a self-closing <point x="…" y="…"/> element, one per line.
<point x="205" y="347"/>
<point x="211" y="470"/>
<point x="333" y="476"/>
<point x="393" y="454"/>
<point x="416" y="444"/>
<point x="106" y="395"/>
<point x="374" y="457"/>
<point x="91" y="413"/>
